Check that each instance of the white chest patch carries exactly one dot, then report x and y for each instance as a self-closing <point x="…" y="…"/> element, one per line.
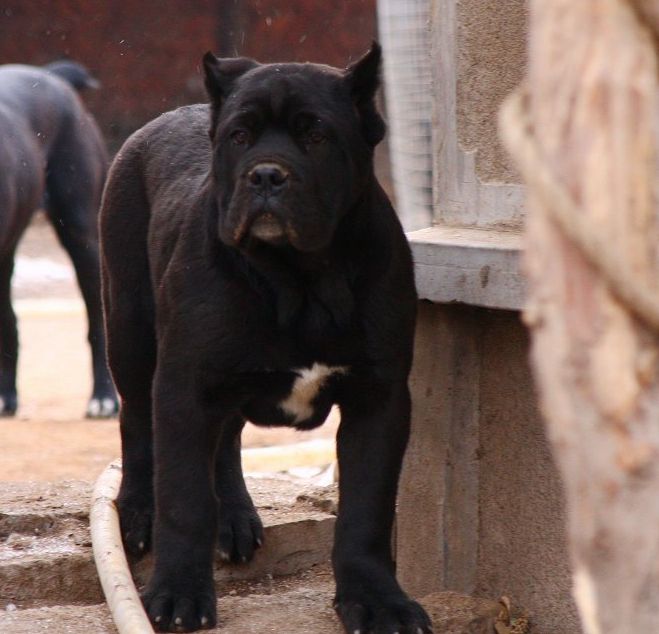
<point x="305" y="389"/>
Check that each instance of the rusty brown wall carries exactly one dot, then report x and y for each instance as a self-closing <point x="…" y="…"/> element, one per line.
<point x="147" y="52"/>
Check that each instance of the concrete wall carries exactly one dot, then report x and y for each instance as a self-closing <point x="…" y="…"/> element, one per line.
<point x="481" y="509"/>
<point x="478" y="56"/>
<point x="491" y="60"/>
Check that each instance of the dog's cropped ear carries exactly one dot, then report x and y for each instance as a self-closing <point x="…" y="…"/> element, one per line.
<point x="363" y="79"/>
<point x="220" y="75"/>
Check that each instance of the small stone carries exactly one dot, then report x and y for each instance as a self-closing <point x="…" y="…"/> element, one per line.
<point x="11" y="607"/>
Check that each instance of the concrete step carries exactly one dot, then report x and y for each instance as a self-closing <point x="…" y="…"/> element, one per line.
<point x="45" y="547"/>
<point x="299" y="604"/>
<point x="48" y="580"/>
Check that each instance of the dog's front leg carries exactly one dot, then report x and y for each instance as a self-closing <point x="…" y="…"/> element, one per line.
<point x="371" y="442"/>
<point x="180" y="597"/>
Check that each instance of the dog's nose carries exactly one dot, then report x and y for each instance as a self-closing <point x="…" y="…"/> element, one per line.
<point x="268" y="177"/>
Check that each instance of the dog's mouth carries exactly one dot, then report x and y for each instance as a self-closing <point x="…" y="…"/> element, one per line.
<point x="264" y="226"/>
<point x="268" y="228"/>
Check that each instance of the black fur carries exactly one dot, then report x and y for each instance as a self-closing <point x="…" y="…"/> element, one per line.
<point x="52" y="156"/>
<point x="228" y="265"/>
<point x="74" y="73"/>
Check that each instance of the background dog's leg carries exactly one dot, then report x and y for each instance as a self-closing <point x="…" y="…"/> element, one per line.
<point x="240" y="530"/>
<point x="180" y="595"/>
<point x="73" y="183"/>
<point x="8" y="340"/>
<point x="371" y="442"/>
<point x="80" y="242"/>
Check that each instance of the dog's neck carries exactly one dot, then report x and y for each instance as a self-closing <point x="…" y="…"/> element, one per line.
<point x="317" y="288"/>
<point x="314" y="287"/>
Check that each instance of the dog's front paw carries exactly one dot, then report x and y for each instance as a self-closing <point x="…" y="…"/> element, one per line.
<point x="399" y="615"/>
<point x="179" y="607"/>
<point x="240" y="533"/>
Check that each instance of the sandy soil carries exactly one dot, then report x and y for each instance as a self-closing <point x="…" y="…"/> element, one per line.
<point x="49" y="439"/>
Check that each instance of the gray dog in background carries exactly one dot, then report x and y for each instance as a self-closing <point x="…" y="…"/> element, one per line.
<point x="52" y="156"/>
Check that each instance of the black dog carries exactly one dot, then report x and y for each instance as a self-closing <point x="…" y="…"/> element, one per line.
<point x="76" y="74"/>
<point x="264" y="276"/>
<point x="52" y="156"/>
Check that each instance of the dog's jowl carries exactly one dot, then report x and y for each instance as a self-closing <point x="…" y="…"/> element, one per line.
<point x="253" y="269"/>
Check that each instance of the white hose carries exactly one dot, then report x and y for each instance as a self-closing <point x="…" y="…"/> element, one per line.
<point x="120" y="593"/>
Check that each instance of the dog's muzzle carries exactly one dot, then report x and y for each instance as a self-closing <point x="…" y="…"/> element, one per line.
<point x="267" y="180"/>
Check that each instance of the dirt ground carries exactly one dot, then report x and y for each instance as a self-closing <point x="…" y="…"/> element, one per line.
<point x="49" y="439"/>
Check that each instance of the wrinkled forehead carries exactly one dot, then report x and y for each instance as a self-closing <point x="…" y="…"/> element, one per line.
<point x="276" y="90"/>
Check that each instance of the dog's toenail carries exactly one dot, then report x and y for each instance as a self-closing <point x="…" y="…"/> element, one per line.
<point x="259" y="542"/>
<point x="141" y="545"/>
<point x="158" y="619"/>
<point x="224" y="555"/>
<point x="204" y="620"/>
<point x="243" y="559"/>
<point x="178" y="620"/>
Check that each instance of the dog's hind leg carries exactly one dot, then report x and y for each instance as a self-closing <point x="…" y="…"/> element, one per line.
<point x="135" y="499"/>
<point x="240" y="531"/>
<point x="129" y="316"/>
<point x="132" y="358"/>
<point x="74" y="181"/>
<point x="8" y="340"/>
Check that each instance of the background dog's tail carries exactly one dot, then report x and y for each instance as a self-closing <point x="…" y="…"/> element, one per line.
<point x="74" y="73"/>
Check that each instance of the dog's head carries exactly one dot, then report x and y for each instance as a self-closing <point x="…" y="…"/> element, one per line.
<point x="292" y="147"/>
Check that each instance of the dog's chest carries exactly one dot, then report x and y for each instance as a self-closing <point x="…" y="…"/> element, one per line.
<point x="301" y="397"/>
<point x="308" y="385"/>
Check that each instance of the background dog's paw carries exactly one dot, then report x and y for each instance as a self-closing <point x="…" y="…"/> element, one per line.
<point x="178" y="609"/>
<point x="135" y="523"/>
<point x="240" y="533"/>
<point x="8" y="404"/>
<point x="106" y="407"/>
<point x="399" y="616"/>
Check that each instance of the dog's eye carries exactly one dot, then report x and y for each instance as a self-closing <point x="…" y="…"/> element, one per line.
<point x="315" y="137"/>
<point x="239" y="137"/>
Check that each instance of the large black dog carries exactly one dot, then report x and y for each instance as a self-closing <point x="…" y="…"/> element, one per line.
<point x="261" y="275"/>
<point x="52" y="156"/>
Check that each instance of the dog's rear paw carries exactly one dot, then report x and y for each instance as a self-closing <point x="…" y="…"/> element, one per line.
<point x="136" y="523"/>
<point x="178" y="609"/>
<point x="240" y="533"/>
<point x="8" y="404"/>
<point x="400" y="616"/>
<point x="106" y="407"/>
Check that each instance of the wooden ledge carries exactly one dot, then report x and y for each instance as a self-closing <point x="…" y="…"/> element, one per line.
<point x="480" y="267"/>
